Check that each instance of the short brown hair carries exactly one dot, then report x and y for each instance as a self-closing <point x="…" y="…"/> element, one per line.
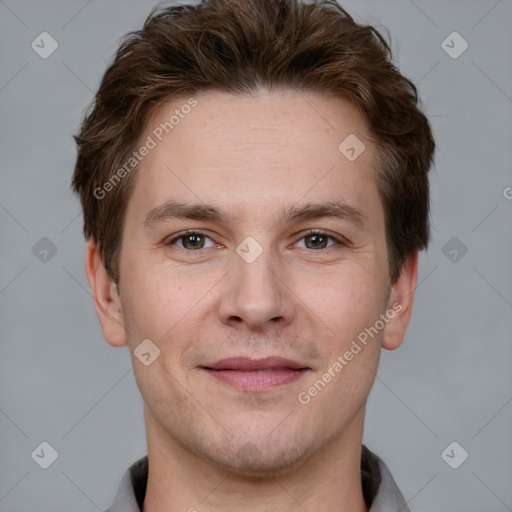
<point x="238" y="46"/>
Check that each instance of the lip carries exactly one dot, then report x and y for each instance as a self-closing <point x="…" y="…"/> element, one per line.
<point x="256" y="375"/>
<point x="247" y="364"/>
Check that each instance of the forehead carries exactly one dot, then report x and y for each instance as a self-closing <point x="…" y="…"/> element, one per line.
<point x="262" y="150"/>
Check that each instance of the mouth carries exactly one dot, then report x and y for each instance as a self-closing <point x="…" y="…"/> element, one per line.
<point x="256" y="375"/>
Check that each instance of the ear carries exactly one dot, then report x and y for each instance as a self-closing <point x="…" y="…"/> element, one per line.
<point x="400" y="301"/>
<point x="106" y="298"/>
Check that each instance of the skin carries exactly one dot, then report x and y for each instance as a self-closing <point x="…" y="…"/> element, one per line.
<point x="212" y="447"/>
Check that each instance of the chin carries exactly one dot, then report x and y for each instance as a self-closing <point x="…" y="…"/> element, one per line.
<point x="253" y="462"/>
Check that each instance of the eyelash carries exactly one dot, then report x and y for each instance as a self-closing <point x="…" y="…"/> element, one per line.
<point x="339" y="241"/>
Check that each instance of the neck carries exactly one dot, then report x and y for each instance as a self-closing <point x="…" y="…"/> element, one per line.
<point x="179" y="480"/>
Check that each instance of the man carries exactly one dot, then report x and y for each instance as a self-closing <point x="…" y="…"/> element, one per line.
<point x="254" y="180"/>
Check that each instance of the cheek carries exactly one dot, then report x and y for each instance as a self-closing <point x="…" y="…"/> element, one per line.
<point x="348" y="310"/>
<point x="347" y="301"/>
<point x="166" y="307"/>
<point x="152" y="301"/>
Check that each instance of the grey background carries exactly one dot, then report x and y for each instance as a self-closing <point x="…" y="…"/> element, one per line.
<point x="60" y="382"/>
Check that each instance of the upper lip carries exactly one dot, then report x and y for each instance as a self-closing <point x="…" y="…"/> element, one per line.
<point x="249" y="364"/>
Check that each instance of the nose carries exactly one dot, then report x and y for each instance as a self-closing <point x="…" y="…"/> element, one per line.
<point x="256" y="295"/>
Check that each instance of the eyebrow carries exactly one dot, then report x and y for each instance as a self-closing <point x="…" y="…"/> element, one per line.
<point x="203" y="212"/>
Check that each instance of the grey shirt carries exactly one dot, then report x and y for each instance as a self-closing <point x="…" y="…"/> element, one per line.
<point x="379" y="489"/>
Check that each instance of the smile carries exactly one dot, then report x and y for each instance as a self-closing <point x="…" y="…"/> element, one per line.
<point x="258" y="380"/>
<point x="256" y="375"/>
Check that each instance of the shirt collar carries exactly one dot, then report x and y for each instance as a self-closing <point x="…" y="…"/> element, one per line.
<point x="379" y="488"/>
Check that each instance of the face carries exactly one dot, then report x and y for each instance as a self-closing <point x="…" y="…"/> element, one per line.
<point x="251" y="237"/>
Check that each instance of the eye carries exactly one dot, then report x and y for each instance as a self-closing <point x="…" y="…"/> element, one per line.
<point x="318" y="240"/>
<point x="195" y="240"/>
<point x="191" y="240"/>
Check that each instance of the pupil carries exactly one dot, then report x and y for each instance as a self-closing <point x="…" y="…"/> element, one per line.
<point x="194" y="240"/>
<point x="318" y="242"/>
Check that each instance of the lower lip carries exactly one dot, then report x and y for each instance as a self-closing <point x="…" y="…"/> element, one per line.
<point x="257" y="381"/>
